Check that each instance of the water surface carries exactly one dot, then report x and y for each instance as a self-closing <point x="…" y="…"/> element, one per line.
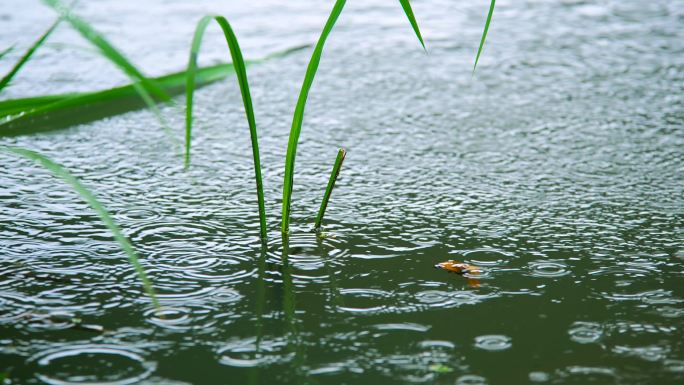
<point x="557" y="169"/>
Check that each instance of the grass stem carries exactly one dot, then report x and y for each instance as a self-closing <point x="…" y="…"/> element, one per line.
<point x="341" y="154"/>
<point x="241" y="72"/>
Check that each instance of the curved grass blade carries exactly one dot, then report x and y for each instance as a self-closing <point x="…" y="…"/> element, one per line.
<point x="484" y="33"/>
<point x="8" y="78"/>
<point x="341" y="154"/>
<point x="6" y="51"/>
<point x="298" y="117"/>
<point x="412" y="19"/>
<point x="107" y="49"/>
<point x="147" y="88"/>
<point x="60" y="172"/>
<point x="240" y="71"/>
<point x="50" y="112"/>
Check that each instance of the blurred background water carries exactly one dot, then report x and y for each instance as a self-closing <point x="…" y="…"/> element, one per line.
<point x="557" y="168"/>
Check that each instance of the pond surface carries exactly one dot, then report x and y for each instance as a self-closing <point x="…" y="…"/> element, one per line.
<point x="557" y="169"/>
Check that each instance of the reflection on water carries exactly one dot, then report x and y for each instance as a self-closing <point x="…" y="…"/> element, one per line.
<point x="557" y="170"/>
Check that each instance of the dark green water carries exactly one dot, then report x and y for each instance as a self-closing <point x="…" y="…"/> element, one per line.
<point x="558" y="169"/>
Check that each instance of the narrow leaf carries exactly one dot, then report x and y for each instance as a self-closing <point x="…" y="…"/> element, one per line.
<point x="8" y="78"/>
<point x="50" y="112"/>
<point x="412" y="19"/>
<point x="484" y="33"/>
<point x="6" y="51"/>
<point x="298" y="117"/>
<point x="107" y="49"/>
<point x="241" y="72"/>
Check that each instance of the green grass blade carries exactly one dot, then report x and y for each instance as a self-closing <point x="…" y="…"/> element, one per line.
<point x="60" y="172"/>
<point x="50" y="112"/>
<point x="8" y="78"/>
<point x="341" y="153"/>
<point x="298" y="117"/>
<point x="412" y="19"/>
<point x="148" y="87"/>
<point x="6" y="51"/>
<point x="484" y="33"/>
<point x="107" y="49"/>
<point x="241" y="72"/>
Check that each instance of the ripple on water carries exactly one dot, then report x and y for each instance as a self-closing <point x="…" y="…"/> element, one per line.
<point x="172" y="294"/>
<point x="138" y="214"/>
<point x="674" y="366"/>
<point x="585" y="332"/>
<point x="648" y="353"/>
<point x="471" y="379"/>
<point x="447" y="299"/>
<point x="313" y="259"/>
<point x="247" y="353"/>
<point x="158" y="231"/>
<point x="493" y="342"/>
<point x="539" y="376"/>
<point x="487" y="257"/>
<point x="365" y="301"/>
<point x="548" y="269"/>
<point x="172" y="318"/>
<point x="90" y="364"/>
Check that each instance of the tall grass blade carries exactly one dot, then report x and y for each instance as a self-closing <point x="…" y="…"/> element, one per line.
<point x="49" y="112"/>
<point x="241" y="72"/>
<point x="341" y="153"/>
<point x="6" y="51"/>
<point x="484" y="33"/>
<point x="412" y="19"/>
<point x="8" y="78"/>
<point x="60" y="172"/>
<point x="298" y="117"/>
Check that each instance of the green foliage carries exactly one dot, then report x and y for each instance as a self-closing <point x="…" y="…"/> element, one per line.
<point x="8" y="78"/>
<point x="34" y="114"/>
<point x="412" y="19"/>
<point x="6" y="51"/>
<point x="484" y="33"/>
<point x="241" y="72"/>
<point x="298" y="117"/>
<point x="60" y="172"/>
<point x="148" y="90"/>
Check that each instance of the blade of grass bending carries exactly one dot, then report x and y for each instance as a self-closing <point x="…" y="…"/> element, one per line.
<point x="107" y="49"/>
<point x="8" y="78"/>
<point x="484" y="33"/>
<point x="6" y="51"/>
<point x="341" y="153"/>
<point x="49" y="112"/>
<point x="241" y="72"/>
<point x="148" y="87"/>
<point x="60" y="172"/>
<point x="298" y="117"/>
<point x="412" y="19"/>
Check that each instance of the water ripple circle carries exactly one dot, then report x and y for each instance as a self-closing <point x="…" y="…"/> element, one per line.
<point x="89" y="364"/>
<point x="493" y="342"/>
<point x="548" y="269"/>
